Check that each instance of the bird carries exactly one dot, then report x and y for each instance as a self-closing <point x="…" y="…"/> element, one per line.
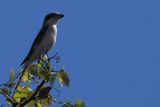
<point x="43" y="42"/>
<point x="45" y="39"/>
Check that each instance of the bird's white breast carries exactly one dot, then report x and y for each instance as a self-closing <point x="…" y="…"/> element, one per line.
<point x="47" y="43"/>
<point x="50" y="38"/>
<point x="54" y="33"/>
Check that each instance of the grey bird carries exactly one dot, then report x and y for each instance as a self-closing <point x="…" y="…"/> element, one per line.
<point x="44" y="41"/>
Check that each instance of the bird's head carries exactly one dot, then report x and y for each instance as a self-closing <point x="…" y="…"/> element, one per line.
<point x="52" y="18"/>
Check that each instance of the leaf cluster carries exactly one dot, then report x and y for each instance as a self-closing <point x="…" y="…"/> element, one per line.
<point x="43" y="77"/>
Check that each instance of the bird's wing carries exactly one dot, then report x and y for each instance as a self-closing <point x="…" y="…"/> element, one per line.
<point x="36" y="42"/>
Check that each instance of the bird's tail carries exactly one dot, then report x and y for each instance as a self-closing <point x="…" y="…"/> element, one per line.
<point x="20" y="78"/>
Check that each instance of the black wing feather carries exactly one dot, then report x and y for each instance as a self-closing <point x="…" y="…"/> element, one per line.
<point x="36" y="42"/>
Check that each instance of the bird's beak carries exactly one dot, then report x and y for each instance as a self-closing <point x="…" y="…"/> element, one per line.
<point x="61" y="15"/>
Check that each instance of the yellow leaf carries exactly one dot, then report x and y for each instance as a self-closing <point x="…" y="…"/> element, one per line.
<point x="30" y="104"/>
<point x="25" y="76"/>
<point x="39" y="104"/>
<point x="79" y="103"/>
<point x="22" y="92"/>
<point x="63" y="77"/>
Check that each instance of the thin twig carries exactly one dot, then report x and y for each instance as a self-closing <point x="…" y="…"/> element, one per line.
<point x="25" y="68"/>
<point x="8" y="97"/>
<point x="10" y="81"/>
<point x="56" y="57"/>
<point x="58" y="102"/>
<point x="59" y="93"/>
<point x="61" y="102"/>
<point x="16" y="76"/>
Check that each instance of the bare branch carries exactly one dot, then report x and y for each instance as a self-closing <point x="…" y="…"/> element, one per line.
<point x="8" y="97"/>
<point x="55" y="57"/>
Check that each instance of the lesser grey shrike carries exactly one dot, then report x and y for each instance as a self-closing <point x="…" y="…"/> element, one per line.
<point x="44" y="41"/>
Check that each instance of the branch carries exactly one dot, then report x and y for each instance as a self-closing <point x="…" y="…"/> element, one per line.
<point x="25" y="68"/>
<point x="8" y="97"/>
<point x="34" y="95"/>
<point x="56" y="57"/>
<point x="10" y="81"/>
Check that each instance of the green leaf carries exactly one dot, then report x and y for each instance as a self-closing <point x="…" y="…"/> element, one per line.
<point x="49" y="65"/>
<point x="28" y="87"/>
<point x="63" y="78"/>
<point x="33" y="69"/>
<point x="8" y="102"/>
<point x="11" y="75"/>
<point x="44" y="74"/>
<point x="53" y="78"/>
<point x="5" y="90"/>
<point x="40" y="64"/>
<point x="22" y="92"/>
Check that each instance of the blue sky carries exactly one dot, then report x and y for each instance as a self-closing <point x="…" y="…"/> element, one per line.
<point x="109" y="47"/>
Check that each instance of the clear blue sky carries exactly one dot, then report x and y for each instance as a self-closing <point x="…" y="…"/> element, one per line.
<point x="110" y="48"/>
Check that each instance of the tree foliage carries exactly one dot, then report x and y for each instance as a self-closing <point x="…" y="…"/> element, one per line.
<point x="36" y="86"/>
